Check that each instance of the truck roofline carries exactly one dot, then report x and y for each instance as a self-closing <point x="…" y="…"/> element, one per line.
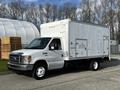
<point x="50" y="37"/>
<point x="76" y="21"/>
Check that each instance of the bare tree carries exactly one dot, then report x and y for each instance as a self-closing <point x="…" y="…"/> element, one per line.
<point x="118" y="18"/>
<point x="107" y="12"/>
<point x="17" y="9"/>
<point x="41" y="14"/>
<point x="54" y="12"/>
<point x="47" y="11"/>
<point x="69" y="11"/>
<point x="85" y="10"/>
<point x="3" y="11"/>
<point x="60" y="13"/>
<point x="32" y="13"/>
<point x="111" y="14"/>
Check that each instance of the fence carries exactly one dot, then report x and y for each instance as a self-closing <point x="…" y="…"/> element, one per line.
<point x="115" y="49"/>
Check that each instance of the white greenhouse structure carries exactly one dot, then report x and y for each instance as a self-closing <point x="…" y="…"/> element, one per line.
<point x="14" y="28"/>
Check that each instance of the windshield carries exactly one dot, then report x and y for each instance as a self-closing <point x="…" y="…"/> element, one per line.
<point x="39" y="43"/>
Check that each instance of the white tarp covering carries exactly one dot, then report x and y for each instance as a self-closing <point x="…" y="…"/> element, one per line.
<point x="10" y="28"/>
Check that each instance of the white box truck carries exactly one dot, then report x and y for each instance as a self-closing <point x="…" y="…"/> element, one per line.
<point x="62" y="43"/>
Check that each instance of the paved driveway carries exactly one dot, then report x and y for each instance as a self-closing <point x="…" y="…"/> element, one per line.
<point x="108" y="78"/>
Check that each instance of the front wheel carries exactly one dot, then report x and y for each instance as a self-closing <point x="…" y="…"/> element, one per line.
<point x="94" y="65"/>
<point x="39" y="72"/>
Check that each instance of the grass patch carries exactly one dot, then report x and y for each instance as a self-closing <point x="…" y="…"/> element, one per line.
<point x="3" y="66"/>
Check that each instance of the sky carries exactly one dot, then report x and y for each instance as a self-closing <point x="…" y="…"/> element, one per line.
<point x="57" y="2"/>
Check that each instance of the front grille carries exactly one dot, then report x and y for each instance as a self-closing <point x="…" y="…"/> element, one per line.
<point x="14" y="58"/>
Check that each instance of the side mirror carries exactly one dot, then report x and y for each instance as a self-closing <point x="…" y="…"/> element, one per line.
<point x="52" y="48"/>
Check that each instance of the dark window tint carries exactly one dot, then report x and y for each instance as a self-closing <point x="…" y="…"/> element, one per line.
<point x="56" y="43"/>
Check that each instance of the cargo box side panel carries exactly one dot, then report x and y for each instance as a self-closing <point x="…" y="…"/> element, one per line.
<point x="95" y="41"/>
<point x="72" y="35"/>
<point x="78" y="40"/>
<point x="98" y="45"/>
<point x="92" y="39"/>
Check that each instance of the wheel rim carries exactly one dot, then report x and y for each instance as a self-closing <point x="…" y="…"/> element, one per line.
<point x="40" y="72"/>
<point x="95" y="65"/>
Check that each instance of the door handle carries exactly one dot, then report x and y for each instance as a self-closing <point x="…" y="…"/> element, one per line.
<point x="45" y="53"/>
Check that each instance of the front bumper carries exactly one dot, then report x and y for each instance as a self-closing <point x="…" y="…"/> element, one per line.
<point x="20" y="67"/>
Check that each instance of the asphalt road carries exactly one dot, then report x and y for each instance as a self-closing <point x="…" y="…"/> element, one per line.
<point x="107" y="78"/>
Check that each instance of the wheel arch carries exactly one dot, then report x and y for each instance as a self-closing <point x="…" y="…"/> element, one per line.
<point x="41" y="62"/>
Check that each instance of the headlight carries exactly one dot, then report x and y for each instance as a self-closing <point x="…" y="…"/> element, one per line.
<point x="26" y="59"/>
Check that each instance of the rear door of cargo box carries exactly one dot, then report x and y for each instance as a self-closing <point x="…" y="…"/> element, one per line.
<point x="105" y="45"/>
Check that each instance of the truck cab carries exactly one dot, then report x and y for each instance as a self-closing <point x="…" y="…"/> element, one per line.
<point x="40" y="55"/>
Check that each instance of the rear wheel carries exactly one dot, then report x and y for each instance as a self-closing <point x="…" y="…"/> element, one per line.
<point x="94" y="65"/>
<point x="39" y="72"/>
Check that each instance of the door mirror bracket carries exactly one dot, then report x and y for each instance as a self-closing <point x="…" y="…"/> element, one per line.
<point x="51" y="48"/>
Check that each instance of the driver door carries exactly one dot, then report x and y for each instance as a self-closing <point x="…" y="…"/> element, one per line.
<point x="55" y="54"/>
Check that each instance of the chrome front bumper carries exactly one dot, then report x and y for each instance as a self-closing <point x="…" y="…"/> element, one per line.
<point x="20" y="67"/>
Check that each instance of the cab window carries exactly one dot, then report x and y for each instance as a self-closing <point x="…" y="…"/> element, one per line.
<point x="55" y="44"/>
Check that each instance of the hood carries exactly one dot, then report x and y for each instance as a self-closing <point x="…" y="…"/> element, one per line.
<point x="26" y="51"/>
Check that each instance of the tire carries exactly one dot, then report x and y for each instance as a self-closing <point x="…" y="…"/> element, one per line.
<point x="39" y="72"/>
<point x="94" y="65"/>
<point x="18" y="73"/>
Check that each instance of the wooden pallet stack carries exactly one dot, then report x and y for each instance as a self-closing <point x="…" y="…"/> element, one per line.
<point x="9" y="44"/>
